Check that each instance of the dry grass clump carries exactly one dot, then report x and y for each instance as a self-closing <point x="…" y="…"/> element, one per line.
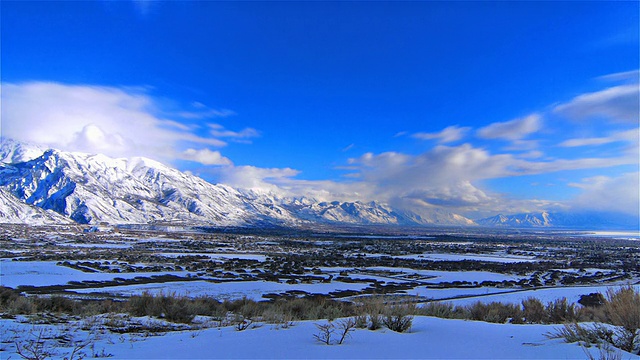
<point x="445" y="310"/>
<point x="621" y="313"/>
<point x="533" y="311"/>
<point x="622" y="309"/>
<point x="495" y="312"/>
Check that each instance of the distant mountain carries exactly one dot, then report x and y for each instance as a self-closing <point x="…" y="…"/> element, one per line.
<point x="92" y="189"/>
<point x="40" y="186"/>
<point x="585" y="220"/>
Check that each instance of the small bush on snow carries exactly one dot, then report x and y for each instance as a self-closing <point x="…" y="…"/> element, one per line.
<point x="399" y="317"/>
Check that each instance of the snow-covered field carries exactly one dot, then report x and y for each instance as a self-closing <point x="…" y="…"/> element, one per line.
<point x="572" y="293"/>
<point x="500" y="258"/>
<point x="228" y="290"/>
<point x="436" y="276"/>
<point x="233" y="266"/>
<point x="429" y="338"/>
<point x="47" y="273"/>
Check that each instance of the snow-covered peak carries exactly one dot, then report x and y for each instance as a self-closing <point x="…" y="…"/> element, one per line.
<point x="94" y="188"/>
<point x="12" y="151"/>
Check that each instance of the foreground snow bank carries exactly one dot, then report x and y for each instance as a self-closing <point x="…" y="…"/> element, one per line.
<point x="429" y="338"/>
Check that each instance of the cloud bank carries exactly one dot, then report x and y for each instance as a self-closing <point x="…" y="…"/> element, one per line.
<point x="126" y="122"/>
<point x="119" y="122"/>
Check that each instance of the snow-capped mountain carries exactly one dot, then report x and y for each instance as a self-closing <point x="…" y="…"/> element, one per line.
<point x="12" y="151"/>
<point x="542" y="219"/>
<point x="91" y="189"/>
<point x="584" y="220"/>
<point x="14" y="211"/>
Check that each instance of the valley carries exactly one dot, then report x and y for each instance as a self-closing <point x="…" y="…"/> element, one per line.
<point x="250" y="277"/>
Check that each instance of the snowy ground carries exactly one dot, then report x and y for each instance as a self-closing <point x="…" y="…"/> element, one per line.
<point x="429" y="338"/>
<point x="436" y="276"/>
<point x="47" y="273"/>
<point x="253" y="266"/>
<point x="572" y="293"/>
<point x="499" y="258"/>
<point x="229" y="290"/>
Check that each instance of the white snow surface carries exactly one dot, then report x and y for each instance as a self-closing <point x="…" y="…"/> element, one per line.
<point x="437" y="276"/>
<point x="572" y="293"/>
<point x="227" y="290"/>
<point x="500" y="258"/>
<point x="47" y="273"/>
<point x="429" y="338"/>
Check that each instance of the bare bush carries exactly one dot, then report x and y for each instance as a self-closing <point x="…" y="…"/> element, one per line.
<point x="324" y="333"/>
<point x="399" y="317"/>
<point x="33" y="348"/>
<point x="345" y="327"/>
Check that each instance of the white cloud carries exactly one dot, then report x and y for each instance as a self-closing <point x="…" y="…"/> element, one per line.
<point x="348" y="147"/>
<point x="618" y="104"/>
<point x="205" y="113"/>
<point x="449" y="134"/>
<point x="533" y="154"/>
<point x="119" y="122"/>
<point x="219" y="131"/>
<point x="619" y="136"/>
<point x="522" y="145"/>
<point x="620" y="194"/>
<point x="205" y="157"/>
<point x="512" y="130"/>
<point x="448" y="176"/>
<point x="255" y="178"/>
<point x="631" y="76"/>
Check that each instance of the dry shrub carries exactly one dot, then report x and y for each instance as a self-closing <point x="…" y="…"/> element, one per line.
<point x="533" y="311"/>
<point x="444" y="310"/>
<point x="278" y="317"/>
<point x="55" y="304"/>
<point x="588" y="335"/>
<point x="141" y="305"/>
<point x="399" y="317"/>
<point x="560" y="311"/>
<point x="7" y="297"/>
<point x="21" y="305"/>
<point x="169" y="306"/>
<point x="622" y="309"/>
<point x="313" y="308"/>
<point x="591" y="314"/>
<point x="495" y="312"/>
<point x="622" y="312"/>
<point x="372" y="309"/>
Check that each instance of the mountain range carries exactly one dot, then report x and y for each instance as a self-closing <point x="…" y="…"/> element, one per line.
<point x="584" y="220"/>
<point x="45" y="186"/>
<point x="40" y="186"/>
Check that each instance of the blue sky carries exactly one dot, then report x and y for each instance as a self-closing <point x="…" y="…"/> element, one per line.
<point x="475" y="107"/>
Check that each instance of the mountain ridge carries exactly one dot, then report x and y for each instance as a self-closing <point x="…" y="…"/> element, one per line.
<point x="584" y="220"/>
<point x="94" y="188"/>
<point x="40" y="186"/>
